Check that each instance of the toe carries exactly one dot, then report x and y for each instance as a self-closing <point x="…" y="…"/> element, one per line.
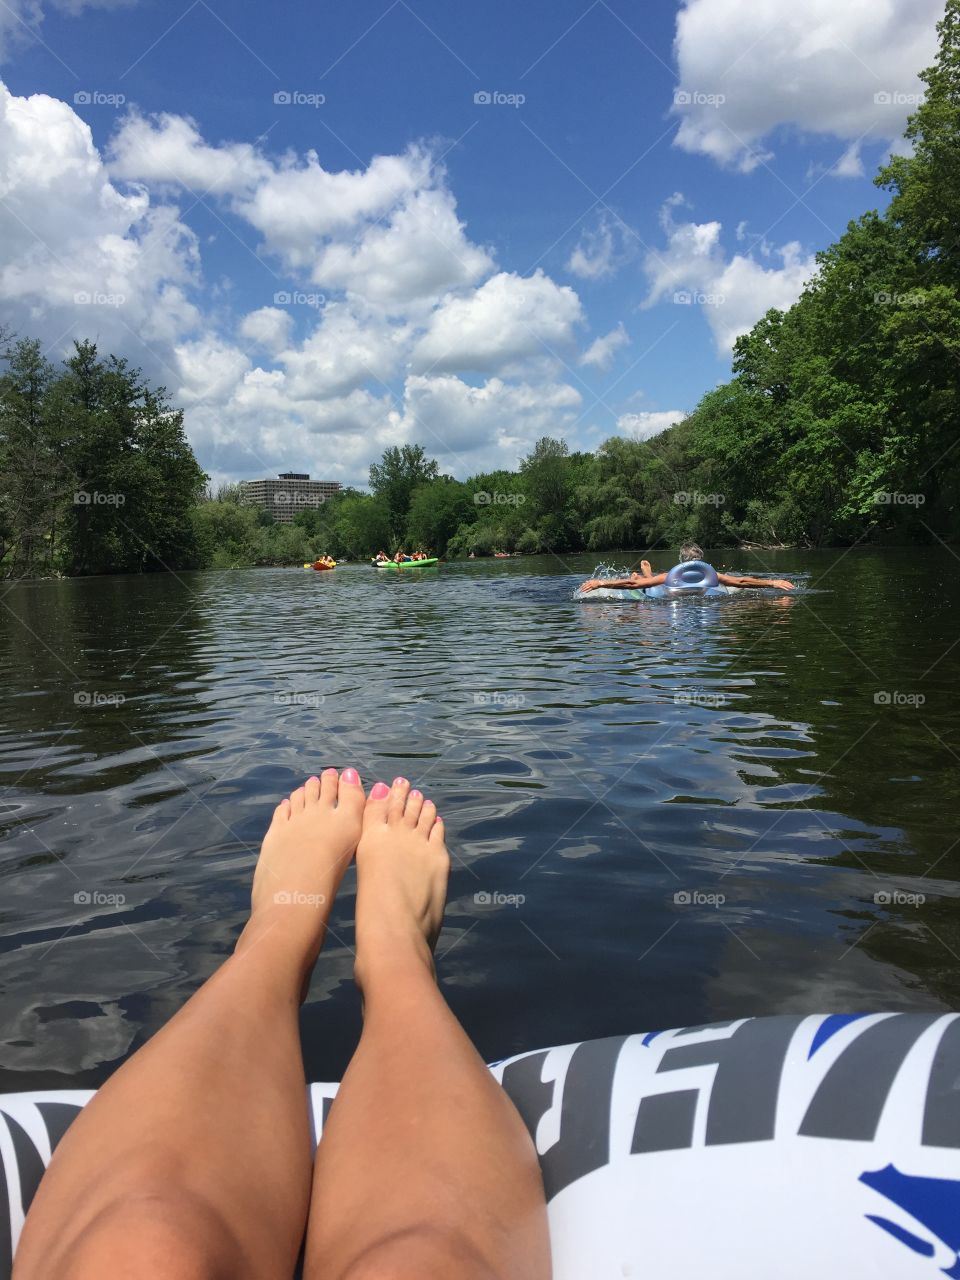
<point x="328" y="785"/>
<point x="411" y="813"/>
<point x="436" y="831"/>
<point x="282" y="812"/>
<point x="350" y="794"/>
<point x="311" y="790"/>
<point x="427" y="816"/>
<point x="297" y="800"/>
<point x="375" y="810"/>
<point x="398" y="799"/>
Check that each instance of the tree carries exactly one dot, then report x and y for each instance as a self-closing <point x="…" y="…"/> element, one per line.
<point x="394" y="478"/>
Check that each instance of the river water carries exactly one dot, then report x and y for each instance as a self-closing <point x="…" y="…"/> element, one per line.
<point x="660" y="813"/>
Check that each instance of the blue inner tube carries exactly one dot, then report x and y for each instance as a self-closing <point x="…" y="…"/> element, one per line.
<point x="692" y="578"/>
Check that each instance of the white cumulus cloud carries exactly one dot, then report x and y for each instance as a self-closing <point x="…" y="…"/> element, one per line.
<point x="641" y="426"/>
<point x="844" y="70"/>
<point x="508" y="318"/>
<point x="693" y="269"/>
<point x="601" y="352"/>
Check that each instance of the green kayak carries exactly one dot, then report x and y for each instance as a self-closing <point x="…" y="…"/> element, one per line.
<point x="408" y="564"/>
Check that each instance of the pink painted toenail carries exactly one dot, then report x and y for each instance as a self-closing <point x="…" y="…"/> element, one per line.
<point x="398" y="782"/>
<point x="313" y="778"/>
<point x="380" y="789"/>
<point x="416" y="795"/>
<point x="351" y="775"/>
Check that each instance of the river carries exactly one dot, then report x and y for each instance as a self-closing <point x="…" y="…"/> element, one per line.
<point x="659" y="813"/>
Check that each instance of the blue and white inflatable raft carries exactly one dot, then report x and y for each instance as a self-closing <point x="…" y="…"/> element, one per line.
<point x="784" y="1147"/>
<point x="692" y="578"/>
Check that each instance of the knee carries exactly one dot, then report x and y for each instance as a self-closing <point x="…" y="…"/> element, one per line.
<point x="421" y="1252"/>
<point x="152" y="1236"/>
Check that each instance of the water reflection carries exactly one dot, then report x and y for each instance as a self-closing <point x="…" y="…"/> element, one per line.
<point x="598" y="761"/>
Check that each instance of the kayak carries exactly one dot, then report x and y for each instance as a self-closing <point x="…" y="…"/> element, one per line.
<point x="320" y="567"/>
<point x="408" y="564"/>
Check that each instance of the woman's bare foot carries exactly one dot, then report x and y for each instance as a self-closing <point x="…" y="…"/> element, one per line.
<point x="402" y="870"/>
<point x="307" y="848"/>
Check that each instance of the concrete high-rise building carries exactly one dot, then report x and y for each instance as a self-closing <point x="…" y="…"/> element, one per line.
<point x="291" y="492"/>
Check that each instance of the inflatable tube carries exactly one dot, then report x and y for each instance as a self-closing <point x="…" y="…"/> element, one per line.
<point x="692" y="578"/>
<point x="789" y="1147"/>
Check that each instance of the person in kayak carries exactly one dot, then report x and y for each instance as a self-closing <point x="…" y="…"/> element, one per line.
<point x="689" y="551"/>
<point x="194" y="1160"/>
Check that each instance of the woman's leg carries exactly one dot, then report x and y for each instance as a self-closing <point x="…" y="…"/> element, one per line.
<point x="424" y="1169"/>
<point x="194" y="1159"/>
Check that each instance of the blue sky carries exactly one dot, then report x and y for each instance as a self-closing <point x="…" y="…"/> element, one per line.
<point x="574" y="262"/>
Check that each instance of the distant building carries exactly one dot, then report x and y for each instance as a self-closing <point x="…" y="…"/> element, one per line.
<point x="291" y="492"/>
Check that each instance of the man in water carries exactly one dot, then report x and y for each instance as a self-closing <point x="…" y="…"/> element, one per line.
<point x="689" y="551"/>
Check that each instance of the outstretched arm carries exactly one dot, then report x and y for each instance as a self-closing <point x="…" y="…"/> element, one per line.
<point x="736" y="580"/>
<point x="636" y="580"/>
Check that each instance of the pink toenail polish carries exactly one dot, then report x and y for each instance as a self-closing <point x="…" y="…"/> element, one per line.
<point x="313" y="778"/>
<point x="398" y="782"/>
<point x="351" y="775"/>
<point x="416" y="795"/>
<point x="380" y="789"/>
